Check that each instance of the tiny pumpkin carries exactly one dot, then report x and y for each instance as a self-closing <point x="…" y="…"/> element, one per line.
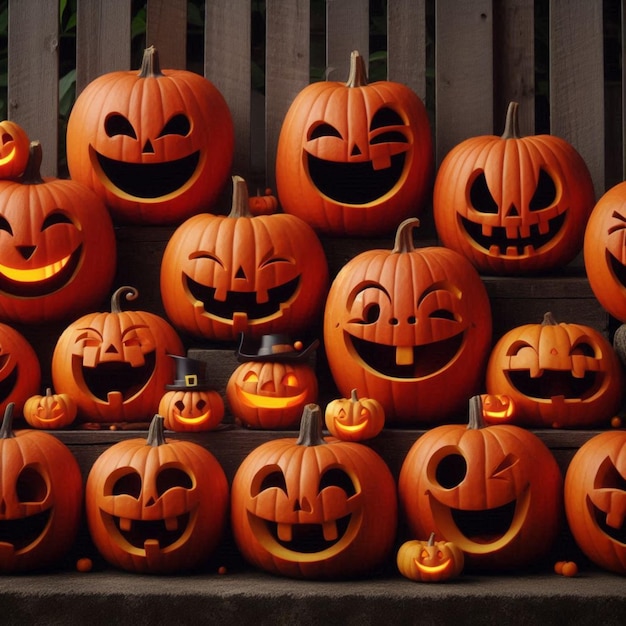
<point x="14" y="149"/>
<point x="50" y="411"/>
<point x="263" y="204"/>
<point x="430" y="561"/>
<point x="354" y="418"/>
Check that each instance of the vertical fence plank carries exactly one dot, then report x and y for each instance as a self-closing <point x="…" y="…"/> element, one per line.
<point x="227" y="65"/>
<point x="166" y="30"/>
<point x="577" y="81"/>
<point x="102" y="39"/>
<point x="464" y="72"/>
<point x="33" y="88"/>
<point x="347" y="29"/>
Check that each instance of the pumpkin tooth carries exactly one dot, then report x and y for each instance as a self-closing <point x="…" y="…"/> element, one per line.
<point x="285" y="532"/>
<point x="240" y="322"/>
<point x="512" y="232"/>
<point x="544" y="227"/>
<point x="171" y="523"/>
<point x="330" y="531"/>
<point x="381" y="162"/>
<point x="494" y="250"/>
<point x="125" y="524"/>
<point x="524" y="231"/>
<point x="487" y="230"/>
<point x="404" y="355"/>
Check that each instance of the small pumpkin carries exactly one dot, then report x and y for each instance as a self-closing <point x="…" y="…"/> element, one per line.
<point x="263" y="204"/>
<point x="498" y="408"/>
<point x="354" y="418"/>
<point x="14" y="149"/>
<point x="50" y="411"/>
<point x="430" y="561"/>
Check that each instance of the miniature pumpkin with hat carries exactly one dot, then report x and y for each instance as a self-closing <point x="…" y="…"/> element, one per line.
<point x="274" y="382"/>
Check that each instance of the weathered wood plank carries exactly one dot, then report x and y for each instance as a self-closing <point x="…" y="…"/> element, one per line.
<point x="166" y="29"/>
<point x="347" y="29"/>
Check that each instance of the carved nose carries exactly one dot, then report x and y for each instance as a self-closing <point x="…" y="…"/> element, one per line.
<point x="148" y="147"/>
<point x="26" y="251"/>
<point x="355" y="151"/>
<point x="302" y="505"/>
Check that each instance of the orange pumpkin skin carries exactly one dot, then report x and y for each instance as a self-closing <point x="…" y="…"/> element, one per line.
<point x="354" y="159"/>
<point x="41" y="491"/>
<point x="155" y="145"/>
<point x="191" y="411"/>
<point x="354" y="418"/>
<point x="271" y="395"/>
<point x="401" y="325"/>
<point x="58" y="250"/>
<point x="513" y="204"/>
<point x="50" y="411"/>
<point x="156" y="505"/>
<point x="605" y="251"/>
<point x="430" y="561"/>
<point x="226" y="275"/>
<point x="559" y="375"/>
<point x="498" y="408"/>
<point x="116" y="364"/>
<point x="594" y="499"/>
<point x="265" y="204"/>
<point x="303" y="487"/>
<point x="501" y="482"/>
<point x="14" y="148"/>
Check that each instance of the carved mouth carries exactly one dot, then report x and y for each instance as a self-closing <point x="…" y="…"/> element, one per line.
<point x="22" y="532"/>
<point x="7" y="384"/>
<point x="556" y="383"/>
<point x="617" y="269"/>
<point x="151" y="534"/>
<point x="600" y="517"/>
<point x="266" y="401"/>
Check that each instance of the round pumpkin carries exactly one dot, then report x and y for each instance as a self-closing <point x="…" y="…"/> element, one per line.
<point x="116" y="364"/>
<point x="498" y="408"/>
<point x="594" y="499"/>
<point x="57" y="247"/>
<point x="355" y="159"/>
<point x="156" y="145"/>
<point x="156" y="505"/>
<point x="50" y="411"/>
<point x="410" y="327"/>
<point x="354" y="418"/>
<point x="263" y="204"/>
<point x="14" y="149"/>
<point x="513" y="204"/>
<point x="41" y="497"/>
<point x="430" y="561"/>
<point x="223" y="275"/>
<point x="314" y="508"/>
<point x="559" y="375"/>
<point x="494" y="491"/>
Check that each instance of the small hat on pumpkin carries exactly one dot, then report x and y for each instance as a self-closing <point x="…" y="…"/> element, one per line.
<point x="273" y="347"/>
<point x="190" y="374"/>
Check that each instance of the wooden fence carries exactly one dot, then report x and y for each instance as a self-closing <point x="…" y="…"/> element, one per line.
<point x="482" y="54"/>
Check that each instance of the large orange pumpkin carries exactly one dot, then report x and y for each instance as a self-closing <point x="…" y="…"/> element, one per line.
<point x="410" y="327"/>
<point x="223" y="275"/>
<point x="14" y="149"/>
<point x="354" y="158"/>
<point x="57" y="247"/>
<point x="156" y="145"/>
<point x="513" y="204"/>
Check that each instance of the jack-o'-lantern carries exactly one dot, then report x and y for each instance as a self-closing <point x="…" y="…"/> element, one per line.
<point x="116" y="364"/>
<point x="226" y="275"/>
<point x="189" y="404"/>
<point x="513" y="204"/>
<point x="156" y="505"/>
<point x="50" y="411"/>
<point x="605" y="251"/>
<point x="14" y="149"/>
<point x="354" y="418"/>
<point x="20" y="370"/>
<point x="273" y="384"/>
<point x="560" y="375"/>
<point x="156" y="145"/>
<point x="430" y="561"/>
<point x="498" y="408"/>
<point x="595" y="499"/>
<point x="354" y="159"/>
<point x="495" y="491"/>
<point x="312" y="507"/>
<point x="57" y="247"/>
<point x="410" y="327"/>
<point x="41" y="497"/>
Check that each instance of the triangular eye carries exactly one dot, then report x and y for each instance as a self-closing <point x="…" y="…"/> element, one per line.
<point x="324" y="130"/>
<point x="178" y="125"/>
<point x="117" y="124"/>
<point x="480" y="196"/>
<point x="506" y="464"/>
<point x="545" y="194"/>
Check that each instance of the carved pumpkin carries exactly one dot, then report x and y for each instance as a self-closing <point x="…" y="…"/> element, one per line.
<point x="401" y="325"/>
<point x="498" y="408"/>
<point x="157" y="146"/>
<point x="354" y="418"/>
<point x="494" y="491"/>
<point x="156" y="505"/>
<point x="41" y="497"/>
<point x="430" y="561"/>
<point x="312" y="507"/>
<point x="20" y="371"/>
<point x="50" y="411"/>
<point x="14" y="149"/>
<point x="226" y="275"/>
<point x="354" y="158"/>
<point x="513" y="204"/>
<point x="116" y="364"/>
<point x="558" y="375"/>
<point x="605" y="251"/>
<point x="57" y="247"/>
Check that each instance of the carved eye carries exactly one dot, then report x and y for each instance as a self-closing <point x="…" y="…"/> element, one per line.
<point x="117" y="124"/>
<point x="55" y="218"/>
<point x="324" y="130"/>
<point x="480" y="196"/>
<point x="178" y="125"/>
<point x="505" y="465"/>
<point x="451" y="471"/>
<point x="172" y="477"/>
<point x="387" y="117"/>
<point x="31" y="486"/>
<point x="545" y="193"/>
<point x="274" y="480"/>
<point x="129" y="485"/>
<point x="336" y="477"/>
<point x="583" y="349"/>
<point x="4" y="225"/>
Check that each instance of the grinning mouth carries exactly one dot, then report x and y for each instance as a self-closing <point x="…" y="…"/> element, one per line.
<point x="555" y="383"/>
<point x="22" y="532"/>
<point x="165" y="531"/>
<point x="618" y="269"/>
<point x="485" y="526"/>
<point x="616" y="533"/>
<point x="7" y="384"/>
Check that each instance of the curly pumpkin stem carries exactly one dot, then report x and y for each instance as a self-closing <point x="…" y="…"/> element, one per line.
<point x="129" y="292"/>
<point x="156" y="434"/>
<point x="476" y="417"/>
<point x="240" y="206"/>
<point x="548" y="320"/>
<point x="32" y="173"/>
<point x="311" y="426"/>
<point x="358" y="74"/>
<point x="6" y="430"/>
<point x="150" y="66"/>
<point x="404" y="235"/>
<point x="511" y="125"/>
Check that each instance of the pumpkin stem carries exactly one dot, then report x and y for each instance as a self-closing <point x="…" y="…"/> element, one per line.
<point x="6" y="430"/>
<point x="511" y="125"/>
<point x="358" y="73"/>
<point x="240" y="206"/>
<point x="311" y="426"/>
<point x="48" y="391"/>
<point x="353" y="396"/>
<point x="156" y="435"/>
<point x="548" y="320"/>
<point x="130" y="292"/>
<point x="150" y="66"/>
<point x="431" y="539"/>
<point x="32" y="173"/>
<point x="404" y="235"/>
<point x="476" y="417"/>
